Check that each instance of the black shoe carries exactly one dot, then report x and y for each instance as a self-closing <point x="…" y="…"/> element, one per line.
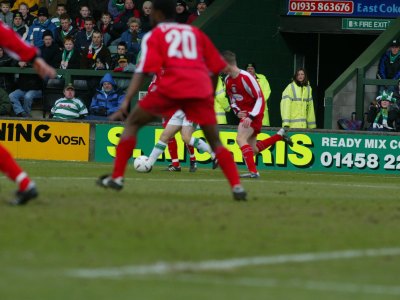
<point x="239" y="194"/>
<point x="106" y="181"/>
<point x="172" y="168"/>
<point x="23" y="197"/>
<point x="215" y="163"/>
<point x="285" y="137"/>
<point x="193" y="166"/>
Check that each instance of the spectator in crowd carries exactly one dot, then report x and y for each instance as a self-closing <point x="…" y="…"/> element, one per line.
<point x="70" y="56"/>
<point x="60" y="10"/>
<point x="84" y="37"/>
<point x="19" y="26"/>
<point x="5" y="104"/>
<point x="97" y="8"/>
<point x="182" y="12"/>
<point x="73" y="8"/>
<point x="389" y="64"/>
<point x="383" y="114"/>
<point x="65" y="30"/>
<point x="106" y="100"/>
<point x="201" y="7"/>
<point x="6" y="80"/>
<point x="29" y="89"/>
<point x="33" y="6"/>
<point x="27" y="17"/>
<point x="132" y="37"/>
<point x="123" y="66"/>
<point x="115" y="7"/>
<point x="5" y="13"/>
<point x="221" y="102"/>
<point x="84" y="13"/>
<point x="41" y="24"/>
<point x="68" y="107"/>
<point x="122" y="49"/>
<point x="297" y="105"/>
<point x="96" y="53"/>
<point x="106" y="27"/>
<point x="265" y="88"/>
<point x="50" y="52"/>
<point x="145" y="16"/>
<point x="121" y="21"/>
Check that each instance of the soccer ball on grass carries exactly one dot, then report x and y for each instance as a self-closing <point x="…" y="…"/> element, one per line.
<point x="142" y="164"/>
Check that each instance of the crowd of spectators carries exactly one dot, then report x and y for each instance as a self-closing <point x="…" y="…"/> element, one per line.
<point x="76" y="34"/>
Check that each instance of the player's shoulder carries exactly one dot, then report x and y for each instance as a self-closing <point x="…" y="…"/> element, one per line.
<point x="167" y="26"/>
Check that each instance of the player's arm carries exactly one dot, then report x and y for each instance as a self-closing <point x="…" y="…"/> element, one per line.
<point x="20" y="50"/>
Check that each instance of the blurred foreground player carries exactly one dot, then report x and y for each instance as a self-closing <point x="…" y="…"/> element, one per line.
<point x="187" y="57"/>
<point x="20" y="51"/>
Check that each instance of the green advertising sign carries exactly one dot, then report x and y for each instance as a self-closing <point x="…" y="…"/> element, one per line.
<point x="365" y="24"/>
<point x="322" y="152"/>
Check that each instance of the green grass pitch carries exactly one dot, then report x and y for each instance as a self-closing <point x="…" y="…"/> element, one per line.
<point x="180" y="236"/>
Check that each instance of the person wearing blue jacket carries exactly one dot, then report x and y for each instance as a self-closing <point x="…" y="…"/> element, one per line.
<point x="40" y="25"/>
<point x="107" y="99"/>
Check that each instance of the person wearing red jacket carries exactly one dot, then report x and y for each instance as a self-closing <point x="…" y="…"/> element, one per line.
<point x="19" y="50"/>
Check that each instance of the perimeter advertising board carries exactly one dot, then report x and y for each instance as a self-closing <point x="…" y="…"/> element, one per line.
<point x="345" y="8"/>
<point x="322" y="152"/>
<point x="46" y="140"/>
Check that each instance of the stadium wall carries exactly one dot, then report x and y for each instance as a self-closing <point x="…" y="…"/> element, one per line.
<point x="313" y="150"/>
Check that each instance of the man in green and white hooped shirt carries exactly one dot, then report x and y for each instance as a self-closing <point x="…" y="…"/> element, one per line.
<point x="69" y="107"/>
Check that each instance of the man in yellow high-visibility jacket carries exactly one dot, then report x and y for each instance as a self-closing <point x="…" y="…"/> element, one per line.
<point x="221" y="103"/>
<point x="297" y="106"/>
<point x="265" y="89"/>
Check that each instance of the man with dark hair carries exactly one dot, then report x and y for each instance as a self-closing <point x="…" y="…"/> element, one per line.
<point x="188" y="57"/>
<point x="65" y="30"/>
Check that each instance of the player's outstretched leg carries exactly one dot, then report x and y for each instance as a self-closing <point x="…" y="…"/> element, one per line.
<point x="26" y="187"/>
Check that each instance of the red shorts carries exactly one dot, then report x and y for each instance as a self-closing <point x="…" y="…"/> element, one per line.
<point x="256" y="124"/>
<point x="197" y="110"/>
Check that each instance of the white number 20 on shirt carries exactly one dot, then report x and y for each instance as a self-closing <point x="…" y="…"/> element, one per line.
<point x="182" y="44"/>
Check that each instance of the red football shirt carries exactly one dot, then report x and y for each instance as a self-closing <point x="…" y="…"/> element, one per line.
<point x="14" y="45"/>
<point x="186" y="56"/>
<point x="245" y="94"/>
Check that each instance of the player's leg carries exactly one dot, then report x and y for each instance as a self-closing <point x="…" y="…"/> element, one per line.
<point x="136" y="119"/>
<point x="189" y="139"/>
<point x="225" y="160"/>
<point x="186" y="133"/>
<point x="172" y="148"/>
<point x="159" y="148"/>
<point x="281" y="135"/>
<point x="244" y="141"/>
<point x="26" y="187"/>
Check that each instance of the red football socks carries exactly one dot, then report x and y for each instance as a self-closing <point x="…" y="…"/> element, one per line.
<point x="248" y="156"/>
<point x="264" y="144"/>
<point x="173" y="151"/>
<point x="12" y="170"/>
<point x="124" y="153"/>
<point x="227" y="165"/>
<point x="191" y="152"/>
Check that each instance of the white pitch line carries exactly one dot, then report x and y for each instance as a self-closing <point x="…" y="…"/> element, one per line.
<point x="162" y="268"/>
<point x="324" y="286"/>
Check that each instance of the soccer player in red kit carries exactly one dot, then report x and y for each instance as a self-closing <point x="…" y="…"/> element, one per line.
<point x="21" y="51"/>
<point x="187" y="57"/>
<point x="247" y="101"/>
